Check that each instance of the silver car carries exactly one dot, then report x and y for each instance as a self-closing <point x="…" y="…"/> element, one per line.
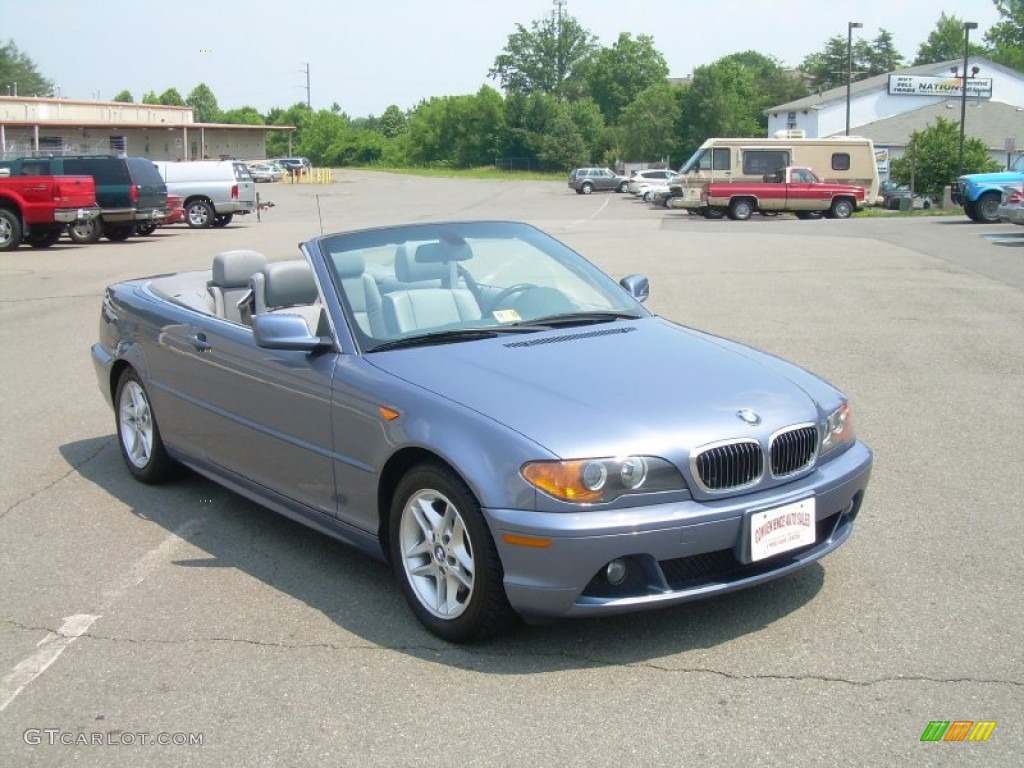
<point x="479" y="405"/>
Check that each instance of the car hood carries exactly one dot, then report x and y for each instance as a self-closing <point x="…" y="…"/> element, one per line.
<point x="645" y="386"/>
<point x="1000" y="177"/>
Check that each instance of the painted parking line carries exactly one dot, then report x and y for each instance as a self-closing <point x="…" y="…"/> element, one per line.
<point x="55" y="643"/>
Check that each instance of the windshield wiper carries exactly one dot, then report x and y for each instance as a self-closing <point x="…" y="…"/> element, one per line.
<point x="451" y="336"/>
<point x="577" y="318"/>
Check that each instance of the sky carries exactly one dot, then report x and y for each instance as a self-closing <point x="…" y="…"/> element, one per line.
<point x="366" y="55"/>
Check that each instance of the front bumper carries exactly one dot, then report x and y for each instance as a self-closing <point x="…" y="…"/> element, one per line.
<point x="675" y="552"/>
<point x="71" y="215"/>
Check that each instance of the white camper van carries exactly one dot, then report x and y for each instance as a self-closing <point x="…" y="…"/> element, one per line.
<point x="212" y="191"/>
<point x="840" y="159"/>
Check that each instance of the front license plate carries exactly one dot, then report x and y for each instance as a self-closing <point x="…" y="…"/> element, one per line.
<point x="781" y="529"/>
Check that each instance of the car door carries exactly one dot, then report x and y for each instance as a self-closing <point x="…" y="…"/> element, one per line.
<point x="605" y="179"/>
<point x="262" y="414"/>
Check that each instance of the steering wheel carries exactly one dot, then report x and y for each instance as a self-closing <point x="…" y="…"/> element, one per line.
<point x="512" y="290"/>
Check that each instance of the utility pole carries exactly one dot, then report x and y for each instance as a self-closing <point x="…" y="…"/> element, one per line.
<point x="308" y="102"/>
<point x="559" y="14"/>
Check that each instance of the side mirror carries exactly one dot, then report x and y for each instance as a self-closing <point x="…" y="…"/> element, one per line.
<point x="283" y="331"/>
<point x="637" y="286"/>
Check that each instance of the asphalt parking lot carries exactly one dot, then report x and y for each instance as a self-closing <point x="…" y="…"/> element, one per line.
<point x="131" y="612"/>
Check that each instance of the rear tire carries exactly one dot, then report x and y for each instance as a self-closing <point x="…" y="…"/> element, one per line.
<point x="714" y="213"/>
<point x="623" y="187"/>
<point x="444" y="557"/>
<point x="222" y="219"/>
<point x="44" y="238"/>
<point x="85" y="232"/>
<point x="138" y="434"/>
<point x="741" y="210"/>
<point x="10" y="230"/>
<point x="199" y="214"/>
<point x="586" y="188"/>
<point x="145" y="229"/>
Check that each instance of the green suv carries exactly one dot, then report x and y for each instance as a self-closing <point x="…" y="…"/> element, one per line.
<point x="129" y="190"/>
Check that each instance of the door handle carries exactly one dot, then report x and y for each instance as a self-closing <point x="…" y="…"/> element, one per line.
<point x="198" y="340"/>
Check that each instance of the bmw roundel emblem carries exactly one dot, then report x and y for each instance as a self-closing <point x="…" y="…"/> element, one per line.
<point x="749" y="416"/>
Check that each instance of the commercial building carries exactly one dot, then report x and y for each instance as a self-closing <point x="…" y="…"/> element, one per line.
<point x="888" y="108"/>
<point x="41" y="124"/>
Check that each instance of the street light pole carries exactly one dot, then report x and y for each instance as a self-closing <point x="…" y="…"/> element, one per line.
<point x="968" y="26"/>
<point x="850" y="26"/>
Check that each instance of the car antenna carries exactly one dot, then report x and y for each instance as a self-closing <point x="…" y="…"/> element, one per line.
<point x="319" y="215"/>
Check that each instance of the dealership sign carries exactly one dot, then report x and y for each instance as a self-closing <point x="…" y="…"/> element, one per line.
<point x="912" y="85"/>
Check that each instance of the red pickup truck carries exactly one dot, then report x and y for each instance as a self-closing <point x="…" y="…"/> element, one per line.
<point x="36" y="209"/>
<point x="793" y="189"/>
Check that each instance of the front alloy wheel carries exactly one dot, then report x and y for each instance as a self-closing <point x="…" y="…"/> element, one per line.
<point x="444" y="558"/>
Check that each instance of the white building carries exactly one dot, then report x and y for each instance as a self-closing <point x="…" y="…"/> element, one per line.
<point x="889" y="108"/>
<point x="31" y="125"/>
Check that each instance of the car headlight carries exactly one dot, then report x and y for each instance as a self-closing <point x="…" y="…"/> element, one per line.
<point x="838" y="429"/>
<point x="592" y="481"/>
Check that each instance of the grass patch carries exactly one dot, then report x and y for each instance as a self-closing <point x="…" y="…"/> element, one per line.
<point x="883" y="213"/>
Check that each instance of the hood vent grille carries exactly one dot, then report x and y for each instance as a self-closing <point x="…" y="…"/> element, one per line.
<point x="569" y="337"/>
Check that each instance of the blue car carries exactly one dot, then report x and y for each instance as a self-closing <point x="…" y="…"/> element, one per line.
<point x="480" y="406"/>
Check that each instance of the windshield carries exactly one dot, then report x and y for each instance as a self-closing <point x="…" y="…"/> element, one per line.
<point x="464" y="281"/>
<point x="693" y="162"/>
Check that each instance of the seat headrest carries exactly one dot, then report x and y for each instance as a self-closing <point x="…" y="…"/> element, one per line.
<point x="409" y="269"/>
<point x="232" y="269"/>
<point x="349" y="264"/>
<point x="288" y="283"/>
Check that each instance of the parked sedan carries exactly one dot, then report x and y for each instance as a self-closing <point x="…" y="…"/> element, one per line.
<point x="265" y="172"/>
<point x="480" y="406"/>
<point x="1011" y="206"/>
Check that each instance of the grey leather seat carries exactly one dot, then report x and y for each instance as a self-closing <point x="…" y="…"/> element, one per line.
<point x="362" y="293"/>
<point x="229" y="284"/>
<point x="420" y="308"/>
<point x="288" y="287"/>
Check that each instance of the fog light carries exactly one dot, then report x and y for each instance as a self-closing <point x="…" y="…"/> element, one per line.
<point x="615" y="571"/>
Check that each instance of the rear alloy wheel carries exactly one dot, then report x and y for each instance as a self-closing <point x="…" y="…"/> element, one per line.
<point x="741" y="210"/>
<point x="117" y="233"/>
<point x="84" y="232"/>
<point x="586" y="188"/>
<point x="199" y="214"/>
<point x="444" y="557"/>
<point x="10" y="230"/>
<point x="44" y="238"/>
<point x="841" y="208"/>
<point x="138" y="434"/>
<point x="222" y="219"/>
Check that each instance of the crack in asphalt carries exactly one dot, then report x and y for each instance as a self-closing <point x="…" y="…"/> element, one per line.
<point x="593" y="661"/>
<point x="74" y="468"/>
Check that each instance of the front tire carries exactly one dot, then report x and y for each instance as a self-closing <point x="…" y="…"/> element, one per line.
<point x="842" y="208"/>
<point x="971" y="210"/>
<point x="10" y="230"/>
<point x="199" y="214"/>
<point x="987" y="208"/>
<point x="138" y="434"/>
<point x="444" y="558"/>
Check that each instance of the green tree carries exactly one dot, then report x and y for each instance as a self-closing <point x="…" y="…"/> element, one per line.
<point x="881" y="56"/>
<point x="242" y="116"/>
<point x="562" y="146"/>
<point x="150" y="97"/>
<point x="172" y="98"/>
<point x="651" y="123"/>
<point x="1006" y="38"/>
<point x="125" y="96"/>
<point x="827" y="68"/>
<point x="457" y="131"/>
<point x="946" y="42"/>
<point x="204" y="104"/>
<point x="932" y="156"/>
<point x="720" y="101"/>
<point x="18" y="73"/>
<point x="278" y="141"/>
<point x="616" y="74"/>
<point x="393" y="122"/>
<point x="771" y="83"/>
<point x="544" y="58"/>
